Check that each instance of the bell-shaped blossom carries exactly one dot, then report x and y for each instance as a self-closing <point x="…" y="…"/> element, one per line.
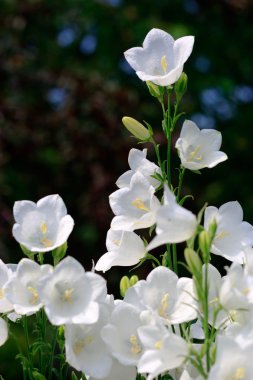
<point x="134" y="206"/>
<point x="199" y="149"/>
<point x="5" y="275"/>
<point x="138" y="162"/>
<point x="171" y="299"/>
<point x="233" y="360"/>
<point x="119" y="371"/>
<point x="121" y="334"/>
<point x="232" y="234"/>
<point x="237" y="289"/>
<point x="162" y="350"/>
<point x="3" y="331"/>
<point x="42" y="226"/>
<point x="85" y="349"/>
<point x="71" y="295"/>
<point x="125" y="248"/>
<point x="161" y="59"/>
<point x="174" y="224"/>
<point x="22" y="287"/>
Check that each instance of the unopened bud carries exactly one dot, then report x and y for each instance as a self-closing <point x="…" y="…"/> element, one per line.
<point x="204" y="244"/>
<point x="212" y="229"/>
<point x="124" y="285"/>
<point x="155" y="90"/>
<point x="181" y="86"/>
<point x="193" y="261"/>
<point x="137" y="129"/>
<point x="133" y="280"/>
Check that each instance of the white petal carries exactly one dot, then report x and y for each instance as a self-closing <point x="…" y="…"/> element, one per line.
<point x="3" y="331"/>
<point x="21" y="208"/>
<point x="182" y="49"/>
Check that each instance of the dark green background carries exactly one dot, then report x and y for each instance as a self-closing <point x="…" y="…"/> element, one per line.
<point x="65" y="87"/>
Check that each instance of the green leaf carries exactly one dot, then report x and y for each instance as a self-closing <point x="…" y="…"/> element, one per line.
<point x="184" y="199"/>
<point x="73" y="376"/>
<point x="38" y="376"/>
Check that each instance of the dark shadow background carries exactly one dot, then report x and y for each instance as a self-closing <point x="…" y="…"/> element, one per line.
<point x="65" y="86"/>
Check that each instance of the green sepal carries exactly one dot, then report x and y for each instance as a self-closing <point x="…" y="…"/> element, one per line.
<point x="59" y="252"/>
<point x="73" y="376"/>
<point x="26" y="252"/>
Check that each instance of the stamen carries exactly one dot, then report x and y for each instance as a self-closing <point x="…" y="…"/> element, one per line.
<point x="221" y="235"/>
<point x="81" y="343"/>
<point x="138" y="203"/>
<point x="194" y="154"/>
<point x="135" y="347"/>
<point x="46" y="242"/>
<point x="164" y="64"/>
<point x="68" y="295"/>
<point x="35" y="295"/>
<point x="239" y="374"/>
<point x="164" y="306"/>
<point x="43" y="228"/>
<point x="159" y="344"/>
<point x="1" y="293"/>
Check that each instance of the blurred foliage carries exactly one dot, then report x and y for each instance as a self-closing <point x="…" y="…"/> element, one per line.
<point x="65" y="86"/>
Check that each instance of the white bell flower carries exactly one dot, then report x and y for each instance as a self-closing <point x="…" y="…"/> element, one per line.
<point x="71" y="295"/>
<point x="22" y="287"/>
<point x="134" y="206"/>
<point x="161" y="59"/>
<point x="233" y="360"/>
<point x="171" y="299"/>
<point x="3" y="331"/>
<point x="125" y="248"/>
<point x="199" y="149"/>
<point x="42" y="226"/>
<point x="174" y="224"/>
<point x="162" y="350"/>
<point x="121" y="335"/>
<point x="5" y="275"/>
<point x="232" y="234"/>
<point x="119" y="371"/>
<point x="85" y="349"/>
<point x="138" y="162"/>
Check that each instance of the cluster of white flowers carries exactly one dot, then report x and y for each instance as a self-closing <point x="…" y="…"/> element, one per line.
<point x="187" y="328"/>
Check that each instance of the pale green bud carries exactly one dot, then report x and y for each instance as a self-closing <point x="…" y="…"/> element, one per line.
<point x="181" y="86"/>
<point x="124" y="285"/>
<point x="204" y="244"/>
<point x="133" y="280"/>
<point x="137" y="129"/>
<point x="212" y="229"/>
<point x="193" y="261"/>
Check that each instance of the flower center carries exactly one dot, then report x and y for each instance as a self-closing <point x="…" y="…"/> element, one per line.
<point x="67" y="295"/>
<point x="35" y="295"/>
<point x="164" y="64"/>
<point x="221" y="235"/>
<point x="45" y="241"/>
<point x="164" y="306"/>
<point x="159" y="344"/>
<point x="1" y="293"/>
<point x="81" y="344"/>
<point x="194" y="155"/>
<point x="139" y="204"/>
<point x="239" y="374"/>
<point x="135" y="346"/>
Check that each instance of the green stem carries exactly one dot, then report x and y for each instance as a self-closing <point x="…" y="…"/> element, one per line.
<point x="51" y="359"/>
<point x="206" y="326"/>
<point x="156" y="147"/>
<point x="168" y="257"/>
<point x="181" y="177"/>
<point x="168" y="135"/>
<point x="174" y="253"/>
<point x="29" y="357"/>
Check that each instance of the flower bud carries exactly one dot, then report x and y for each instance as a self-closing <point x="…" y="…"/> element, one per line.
<point x="204" y="244"/>
<point x="155" y="90"/>
<point x="181" y="86"/>
<point x="137" y="129"/>
<point x="124" y="285"/>
<point x="133" y="280"/>
<point x="193" y="261"/>
<point x="212" y="229"/>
